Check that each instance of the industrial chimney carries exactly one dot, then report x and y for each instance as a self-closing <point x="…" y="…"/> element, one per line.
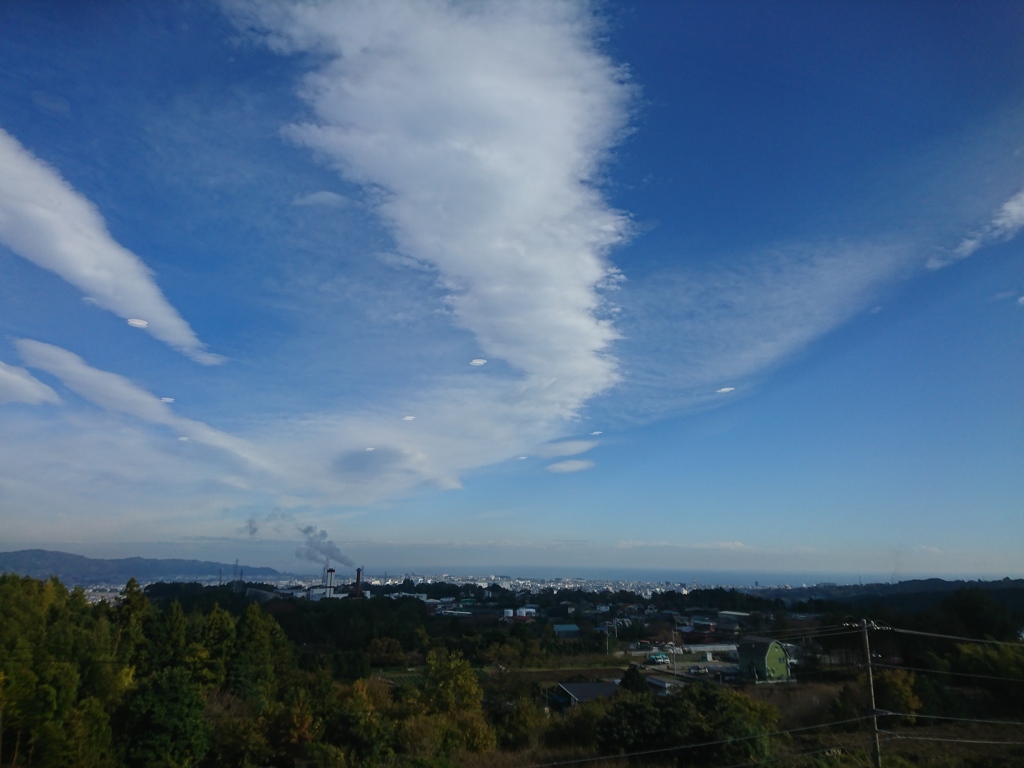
<point x="330" y="581"/>
<point x="359" y="582"/>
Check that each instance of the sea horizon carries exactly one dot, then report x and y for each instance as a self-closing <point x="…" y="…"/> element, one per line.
<point x="702" y="577"/>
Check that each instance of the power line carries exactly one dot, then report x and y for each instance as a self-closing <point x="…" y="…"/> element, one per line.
<point x="895" y="736"/>
<point x="806" y="630"/>
<point x="826" y="750"/>
<point x="662" y="750"/>
<point x="829" y="631"/>
<point x="898" y="737"/>
<point x="955" y="674"/>
<point x="958" y="719"/>
<point x="790" y="756"/>
<point x="954" y="637"/>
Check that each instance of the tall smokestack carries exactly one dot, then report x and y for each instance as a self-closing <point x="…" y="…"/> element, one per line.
<point x="330" y="580"/>
<point x="359" y="582"/>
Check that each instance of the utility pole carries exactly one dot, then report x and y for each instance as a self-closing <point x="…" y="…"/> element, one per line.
<point x="876" y="747"/>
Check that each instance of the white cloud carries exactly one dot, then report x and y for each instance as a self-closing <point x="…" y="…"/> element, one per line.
<point x="19" y="386"/>
<point x="726" y="545"/>
<point x="1004" y="226"/>
<point x="572" y="465"/>
<point x="730" y="546"/>
<point x="43" y="219"/>
<point x="322" y="198"/>
<point x="483" y="127"/>
<point x="565" y="448"/>
<point x="689" y="332"/>
<point x="75" y="475"/>
<point x="464" y="423"/>
<point x="117" y="394"/>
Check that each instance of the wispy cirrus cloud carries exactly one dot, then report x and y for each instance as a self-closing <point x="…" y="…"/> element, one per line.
<point x="1006" y="223"/>
<point x="483" y="128"/>
<point x="322" y="198"/>
<point x="730" y="546"/>
<point x="44" y="220"/>
<point x="19" y="386"/>
<point x="689" y="333"/>
<point x="117" y="394"/>
<point x="570" y="465"/>
<point x="566" y="448"/>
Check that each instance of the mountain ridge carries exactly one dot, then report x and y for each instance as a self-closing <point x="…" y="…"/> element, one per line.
<point x="78" y="570"/>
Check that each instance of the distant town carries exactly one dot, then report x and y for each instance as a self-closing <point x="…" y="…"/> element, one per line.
<point x="213" y="664"/>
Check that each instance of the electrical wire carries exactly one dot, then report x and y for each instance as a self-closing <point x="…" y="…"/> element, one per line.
<point x="944" y="672"/>
<point x="798" y="630"/>
<point x="956" y="741"/>
<point x="957" y="719"/>
<point x="662" y="750"/>
<point x="954" y="637"/>
<point x="892" y="737"/>
<point x="787" y="757"/>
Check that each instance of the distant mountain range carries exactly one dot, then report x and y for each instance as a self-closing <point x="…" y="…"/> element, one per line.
<point x="75" y="570"/>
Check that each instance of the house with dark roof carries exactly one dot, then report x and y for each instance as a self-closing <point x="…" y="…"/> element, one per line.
<point x="573" y="694"/>
<point x="763" y="660"/>
<point x="663" y="686"/>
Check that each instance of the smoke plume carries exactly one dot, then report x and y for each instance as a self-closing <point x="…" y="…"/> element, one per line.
<point x="318" y="548"/>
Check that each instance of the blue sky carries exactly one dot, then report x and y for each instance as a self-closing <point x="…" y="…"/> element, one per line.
<point x="685" y="285"/>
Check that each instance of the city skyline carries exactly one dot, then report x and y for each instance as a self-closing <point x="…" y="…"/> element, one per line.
<point x="652" y="286"/>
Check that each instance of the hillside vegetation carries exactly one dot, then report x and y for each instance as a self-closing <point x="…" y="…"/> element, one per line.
<point x="193" y="676"/>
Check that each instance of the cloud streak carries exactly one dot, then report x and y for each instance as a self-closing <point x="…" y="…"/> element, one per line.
<point x="483" y="128"/>
<point x="19" y="386"/>
<point x="566" y="448"/>
<point x="570" y="465"/>
<point x="119" y="395"/>
<point x="1006" y="223"/>
<point x="44" y="220"/>
<point x="689" y="332"/>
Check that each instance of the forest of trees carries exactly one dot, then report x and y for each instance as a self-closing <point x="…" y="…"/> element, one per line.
<point x="180" y="675"/>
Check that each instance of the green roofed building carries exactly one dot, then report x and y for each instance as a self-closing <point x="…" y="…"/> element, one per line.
<point x="763" y="660"/>
<point x="566" y="631"/>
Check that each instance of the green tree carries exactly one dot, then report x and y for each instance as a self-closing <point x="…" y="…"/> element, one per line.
<point x="84" y="739"/>
<point x="734" y="725"/>
<point x="579" y="727"/>
<point x="451" y="684"/>
<point x="218" y="639"/>
<point x="894" y="691"/>
<point x="385" y="652"/>
<point x="238" y="733"/>
<point x="363" y="726"/>
<point x="510" y="704"/>
<point x="633" y="680"/>
<point x="164" y="723"/>
<point x="451" y="691"/>
<point x="132" y="615"/>
<point x="633" y="723"/>
<point x="1003" y="666"/>
<point x="260" y="650"/>
<point x="709" y="724"/>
